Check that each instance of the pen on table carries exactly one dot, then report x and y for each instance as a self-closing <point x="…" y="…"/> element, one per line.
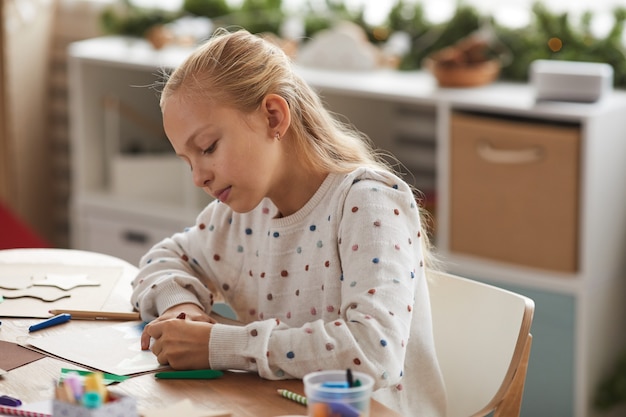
<point x="53" y="321"/>
<point x="191" y="374"/>
<point x="99" y="315"/>
<point x="292" y="396"/>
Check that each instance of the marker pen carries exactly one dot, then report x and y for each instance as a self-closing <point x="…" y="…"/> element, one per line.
<point x="52" y="321"/>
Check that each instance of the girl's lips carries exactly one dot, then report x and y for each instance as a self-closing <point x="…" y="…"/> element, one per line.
<point x="223" y="194"/>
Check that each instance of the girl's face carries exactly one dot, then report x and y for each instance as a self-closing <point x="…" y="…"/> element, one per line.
<point x="234" y="157"/>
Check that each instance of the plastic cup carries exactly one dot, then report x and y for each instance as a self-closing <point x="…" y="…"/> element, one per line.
<point x="328" y="394"/>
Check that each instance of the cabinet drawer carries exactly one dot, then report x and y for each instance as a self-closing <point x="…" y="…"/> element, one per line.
<point x="126" y="238"/>
<point x="514" y="188"/>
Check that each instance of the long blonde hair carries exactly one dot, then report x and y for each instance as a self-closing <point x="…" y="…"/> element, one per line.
<point x="238" y="69"/>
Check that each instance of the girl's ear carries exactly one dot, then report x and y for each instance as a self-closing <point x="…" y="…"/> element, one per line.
<point x="277" y="113"/>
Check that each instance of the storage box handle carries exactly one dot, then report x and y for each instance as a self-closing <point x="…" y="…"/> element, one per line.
<point x="132" y="236"/>
<point x="508" y="156"/>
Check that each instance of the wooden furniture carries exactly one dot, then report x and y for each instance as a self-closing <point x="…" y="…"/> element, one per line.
<point x="483" y="340"/>
<point x="566" y="220"/>
<point x="244" y="394"/>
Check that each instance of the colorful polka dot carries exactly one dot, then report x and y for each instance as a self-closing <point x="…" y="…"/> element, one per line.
<point x="312" y="228"/>
<point x="375" y="260"/>
<point x="276" y="234"/>
<point x="290" y="355"/>
<point x="355" y="209"/>
<point x="248" y="231"/>
<point x="383" y="342"/>
<point x="216" y="257"/>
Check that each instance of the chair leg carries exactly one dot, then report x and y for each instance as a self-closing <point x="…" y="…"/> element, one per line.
<point x="512" y="402"/>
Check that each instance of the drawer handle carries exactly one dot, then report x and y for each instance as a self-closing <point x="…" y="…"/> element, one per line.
<point x="508" y="156"/>
<point x="135" y="237"/>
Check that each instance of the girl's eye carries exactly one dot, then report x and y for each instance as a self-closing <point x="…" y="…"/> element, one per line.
<point x="210" y="149"/>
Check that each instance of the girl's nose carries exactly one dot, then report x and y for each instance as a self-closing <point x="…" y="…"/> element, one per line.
<point x="201" y="177"/>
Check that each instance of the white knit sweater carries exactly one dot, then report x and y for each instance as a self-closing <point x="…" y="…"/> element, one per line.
<point x="339" y="284"/>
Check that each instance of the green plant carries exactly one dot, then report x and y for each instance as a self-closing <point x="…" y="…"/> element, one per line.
<point x="550" y="35"/>
<point x="124" y="18"/>
<point x="555" y="36"/>
<point x="206" y="8"/>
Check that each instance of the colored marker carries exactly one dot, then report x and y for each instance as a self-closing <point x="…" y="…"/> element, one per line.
<point x="193" y="374"/>
<point x="53" y="321"/>
<point x="10" y="401"/>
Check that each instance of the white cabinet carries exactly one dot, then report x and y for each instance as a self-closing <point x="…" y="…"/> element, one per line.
<point x="129" y="191"/>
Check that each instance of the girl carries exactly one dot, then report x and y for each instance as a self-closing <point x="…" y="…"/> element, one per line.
<point x="312" y="240"/>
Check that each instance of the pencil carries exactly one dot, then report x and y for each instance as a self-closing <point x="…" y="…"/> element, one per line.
<point x="293" y="396"/>
<point x="99" y="315"/>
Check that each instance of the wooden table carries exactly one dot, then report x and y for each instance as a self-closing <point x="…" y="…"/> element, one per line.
<point x="244" y="394"/>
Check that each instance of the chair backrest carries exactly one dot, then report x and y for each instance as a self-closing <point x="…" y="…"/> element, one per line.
<point x="482" y="339"/>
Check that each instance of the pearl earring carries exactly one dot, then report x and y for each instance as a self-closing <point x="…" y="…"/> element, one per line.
<point x="277" y="136"/>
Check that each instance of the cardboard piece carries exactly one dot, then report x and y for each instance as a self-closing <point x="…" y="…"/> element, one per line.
<point x="13" y="355"/>
<point x="31" y="298"/>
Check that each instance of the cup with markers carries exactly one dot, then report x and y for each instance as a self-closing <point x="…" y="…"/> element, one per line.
<point x="337" y="393"/>
<point x="87" y="396"/>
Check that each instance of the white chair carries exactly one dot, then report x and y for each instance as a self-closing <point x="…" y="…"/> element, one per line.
<point x="483" y="340"/>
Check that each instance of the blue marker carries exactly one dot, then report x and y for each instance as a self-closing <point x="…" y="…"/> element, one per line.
<point x="52" y="321"/>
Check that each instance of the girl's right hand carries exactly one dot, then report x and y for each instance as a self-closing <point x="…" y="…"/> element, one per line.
<point x="187" y="311"/>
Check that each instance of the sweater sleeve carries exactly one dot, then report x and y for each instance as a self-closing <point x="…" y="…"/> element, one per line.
<point x="171" y="273"/>
<point x="381" y="269"/>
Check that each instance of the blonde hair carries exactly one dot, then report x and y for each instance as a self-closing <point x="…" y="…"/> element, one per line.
<point x="244" y="69"/>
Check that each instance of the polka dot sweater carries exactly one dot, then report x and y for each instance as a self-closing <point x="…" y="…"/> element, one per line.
<point x="339" y="284"/>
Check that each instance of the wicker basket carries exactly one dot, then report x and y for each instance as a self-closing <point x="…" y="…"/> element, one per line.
<point x="467" y="75"/>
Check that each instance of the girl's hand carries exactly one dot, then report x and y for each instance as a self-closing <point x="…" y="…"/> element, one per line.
<point x="183" y="343"/>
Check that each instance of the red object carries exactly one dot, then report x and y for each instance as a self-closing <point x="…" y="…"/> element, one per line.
<point x="14" y="233"/>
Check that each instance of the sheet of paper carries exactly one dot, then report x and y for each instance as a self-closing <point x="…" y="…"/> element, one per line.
<point x="115" y="349"/>
<point x="13" y="355"/>
<point x="75" y="288"/>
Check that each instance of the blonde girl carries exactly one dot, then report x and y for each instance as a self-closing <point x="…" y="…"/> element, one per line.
<point x="312" y="240"/>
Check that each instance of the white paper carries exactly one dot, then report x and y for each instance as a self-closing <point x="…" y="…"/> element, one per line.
<point x="114" y="349"/>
